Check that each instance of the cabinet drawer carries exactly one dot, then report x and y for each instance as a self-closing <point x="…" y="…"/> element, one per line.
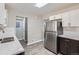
<point x="65" y="39"/>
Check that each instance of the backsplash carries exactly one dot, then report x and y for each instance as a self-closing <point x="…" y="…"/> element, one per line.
<point x="71" y="30"/>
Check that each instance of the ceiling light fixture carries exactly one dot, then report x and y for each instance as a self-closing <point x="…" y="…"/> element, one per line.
<point x="39" y="5"/>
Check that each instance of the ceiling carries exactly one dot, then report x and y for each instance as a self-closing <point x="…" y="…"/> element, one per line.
<point x="29" y="7"/>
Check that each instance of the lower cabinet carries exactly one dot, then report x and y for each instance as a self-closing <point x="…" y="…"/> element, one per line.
<point x="74" y="48"/>
<point x="69" y="46"/>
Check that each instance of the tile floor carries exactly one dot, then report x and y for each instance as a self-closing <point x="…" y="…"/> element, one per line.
<point x="35" y="49"/>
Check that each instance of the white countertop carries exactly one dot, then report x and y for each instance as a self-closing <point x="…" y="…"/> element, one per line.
<point x="11" y="48"/>
<point x="74" y="37"/>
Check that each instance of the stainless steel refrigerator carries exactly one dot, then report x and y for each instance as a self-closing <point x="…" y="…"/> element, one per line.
<point x="53" y="28"/>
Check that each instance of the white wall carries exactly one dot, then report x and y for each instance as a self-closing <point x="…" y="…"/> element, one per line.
<point x="35" y="25"/>
<point x="35" y="29"/>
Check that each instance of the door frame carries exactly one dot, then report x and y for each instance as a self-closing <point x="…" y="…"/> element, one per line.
<point x="26" y="30"/>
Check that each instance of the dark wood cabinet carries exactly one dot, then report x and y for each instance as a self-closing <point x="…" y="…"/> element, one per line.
<point x="64" y="46"/>
<point x="74" y="48"/>
<point x="68" y="46"/>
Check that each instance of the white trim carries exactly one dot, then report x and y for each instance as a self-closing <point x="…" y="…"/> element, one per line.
<point x="34" y="42"/>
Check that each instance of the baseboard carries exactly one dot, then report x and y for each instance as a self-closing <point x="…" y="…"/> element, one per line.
<point x="34" y="42"/>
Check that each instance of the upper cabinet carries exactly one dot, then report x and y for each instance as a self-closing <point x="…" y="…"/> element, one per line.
<point x="74" y="17"/>
<point x="69" y="18"/>
<point x="2" y="13"/>
<point x="58" y="16"/>
<point x="66" y="19"/>
<point x="51" y="18"/>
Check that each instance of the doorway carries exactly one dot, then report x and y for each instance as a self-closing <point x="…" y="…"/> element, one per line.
<point x="21" y="28"/>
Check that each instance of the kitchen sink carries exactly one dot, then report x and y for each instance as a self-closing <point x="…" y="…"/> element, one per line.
<point x="7" y="39"/>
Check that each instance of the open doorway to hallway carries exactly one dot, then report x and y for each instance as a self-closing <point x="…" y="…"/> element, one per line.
<point x="21" y="29"/>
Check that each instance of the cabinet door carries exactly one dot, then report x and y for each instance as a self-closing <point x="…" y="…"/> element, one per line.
<point x="58" y="16"/>
<point x="67" y="46"/>
<point x="2" y="13"/>
<point x="74" y="16"/>
<point x="64" y="46"/>
<point x="65" y="19"/>
<point x="51" y="18"/>
<point x="74" y="48"/>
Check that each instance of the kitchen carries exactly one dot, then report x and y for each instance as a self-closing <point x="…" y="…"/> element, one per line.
<point x="68" y="41"/>
<point x="54" y="28"/>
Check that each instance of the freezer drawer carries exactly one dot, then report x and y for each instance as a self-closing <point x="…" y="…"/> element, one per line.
<point x="51" y="41"/>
